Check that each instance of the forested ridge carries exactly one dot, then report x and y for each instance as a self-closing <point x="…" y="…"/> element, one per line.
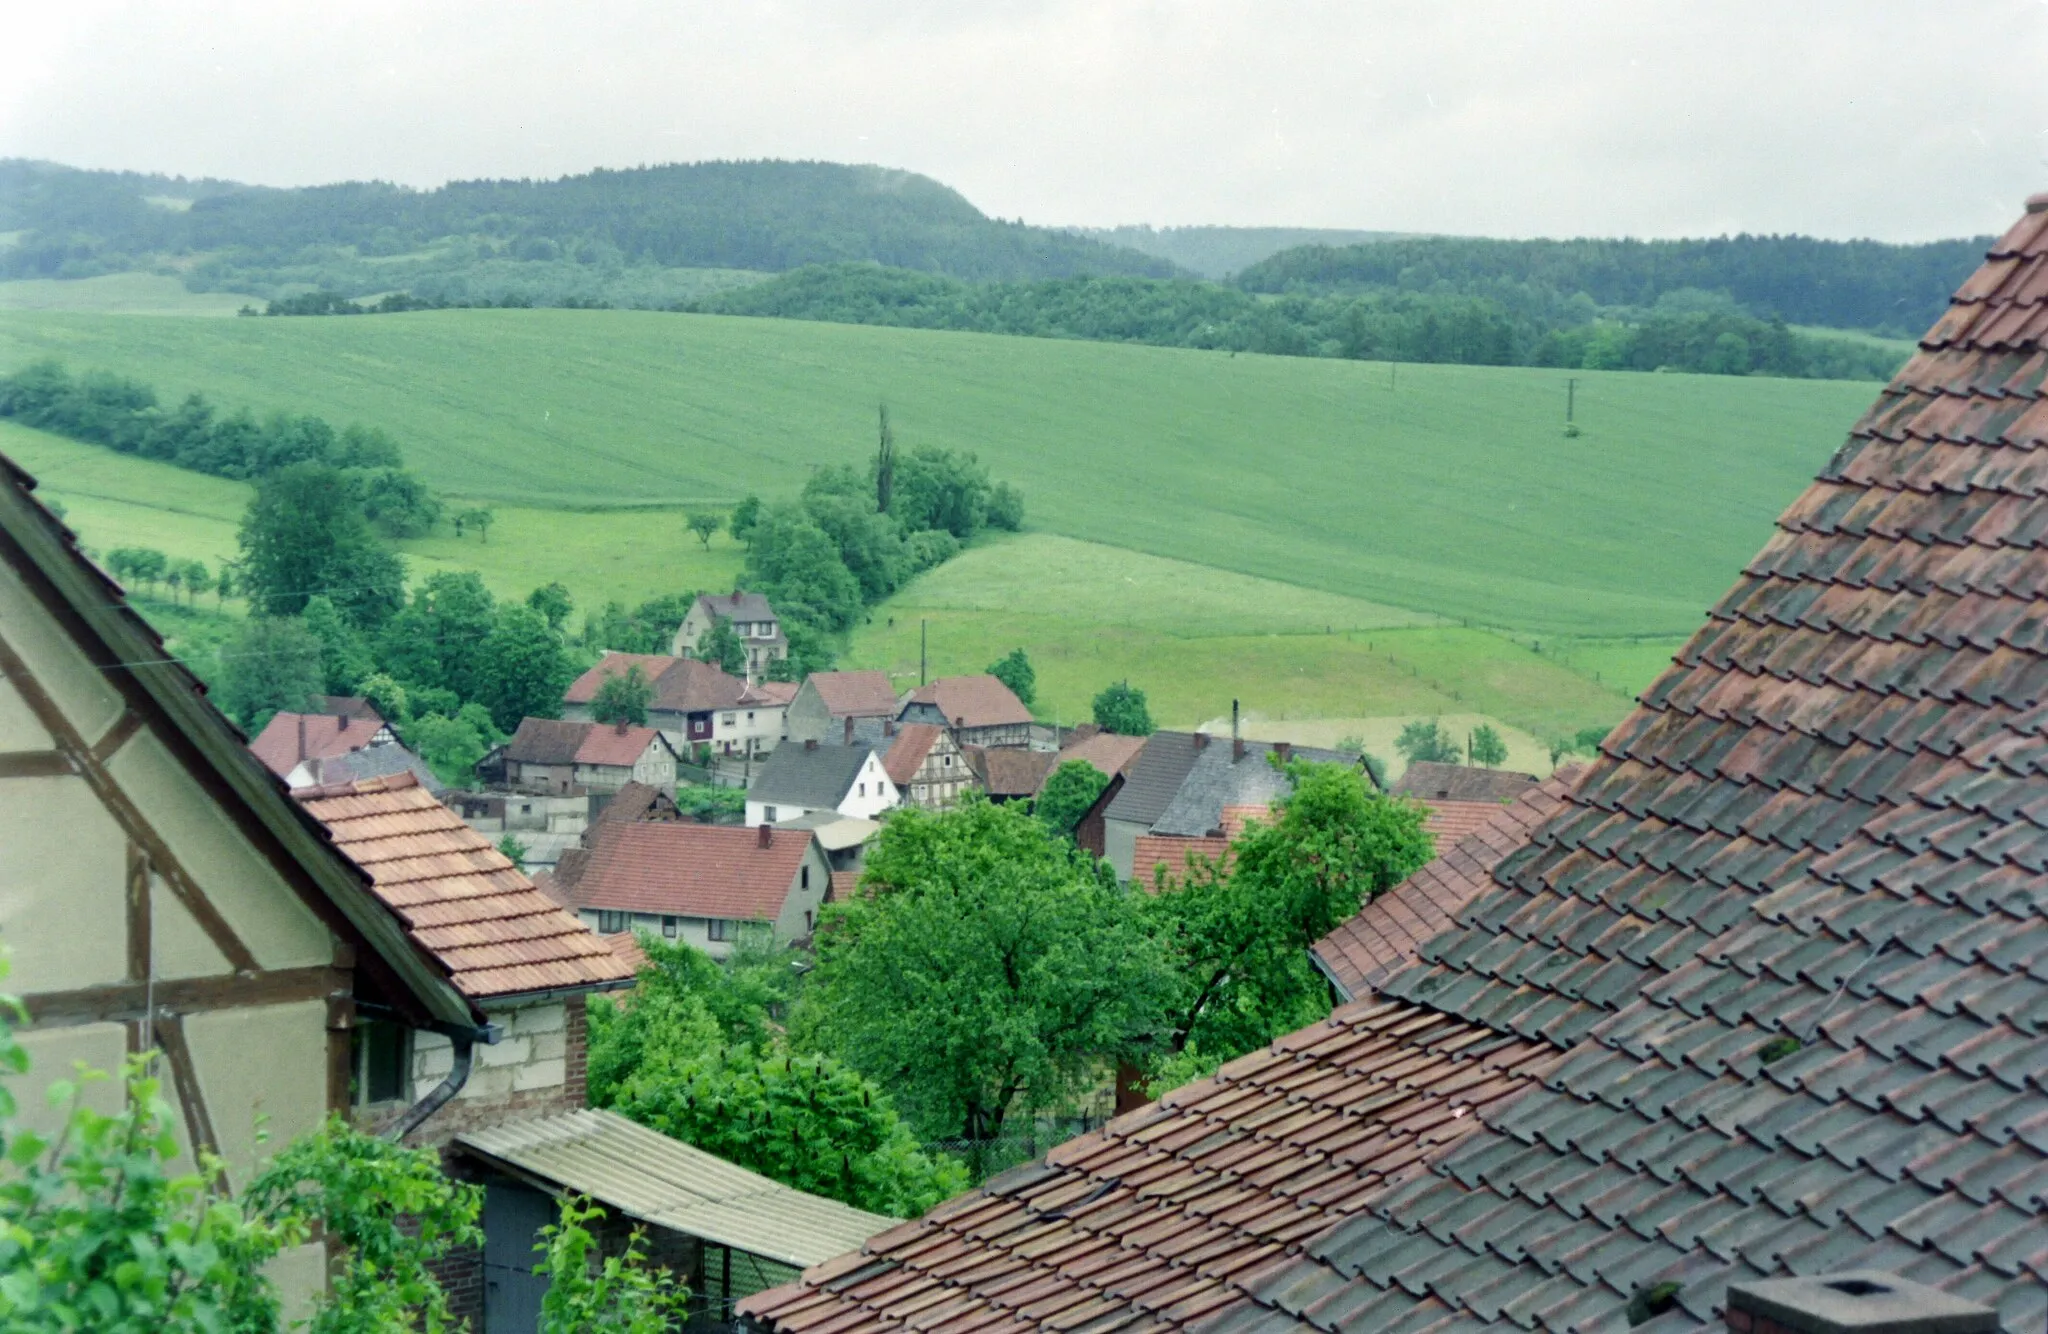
<point x="766" y="216"/>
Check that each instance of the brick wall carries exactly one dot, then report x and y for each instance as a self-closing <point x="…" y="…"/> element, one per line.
<point x="461" y="1275"/>
<point x="539" y="1066"/>
<point x="576" y="1058"/>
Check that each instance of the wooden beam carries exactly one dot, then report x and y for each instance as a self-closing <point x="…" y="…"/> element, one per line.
<point x="127" y="1001"/>
<point x="140" y="952"/>
<point x="127" y="725"/>
<point x="34" y="764"/>
<point x="170" y="1039"/>
<point x="125" y="813"/>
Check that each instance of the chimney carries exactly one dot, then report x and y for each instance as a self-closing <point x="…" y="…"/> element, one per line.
<point x="341" y="722"/>
<point x="810" y="743"/>
<point x="849" y="729"/>
<point x="767" y="835"/>
<point x="1857" y="1301"/>
<point x="1201" y="741"/>
<point x="302" y="736"/>
<point x="1284" y="749"/>
<point x="735" y="597"/>
<point x="620" y="725"/>
<point x="888" y="727"/>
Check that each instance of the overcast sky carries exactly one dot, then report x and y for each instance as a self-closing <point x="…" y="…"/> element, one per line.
<point x="1901" y="119"/>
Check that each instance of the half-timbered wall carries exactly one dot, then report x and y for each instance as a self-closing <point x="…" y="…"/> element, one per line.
<point x="137" y="916"/>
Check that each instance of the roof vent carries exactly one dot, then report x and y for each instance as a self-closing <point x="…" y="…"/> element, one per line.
<point x="1854" y="1302"/>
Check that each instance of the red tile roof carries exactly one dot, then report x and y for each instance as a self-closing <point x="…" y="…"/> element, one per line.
<point x="620" y="747"/>
<point x="771" y="694"/>
<point x="461" y="900"/>
<point x="290" y="738"/>
<point x="1430" y="781"/>
<point x="855" y="694"/>
<point x="914" y="741"/>
<point x="1777" y="961"/>
<point x="973" y="701"/>
<point x="677" y="685"/>
<point x="1387" y="933"/>
<point x="1108" y="752"/>
<point x="626" y="945"/>
<point x="691" y="870"/>
<point x="1450" y="821"/>
<point x="1171" y="851"/>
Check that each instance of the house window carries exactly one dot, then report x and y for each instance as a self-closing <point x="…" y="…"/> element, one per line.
<point x="750" y="716"/>
<point x="721" y="929"/>
<point x="730" y="718"/>
<point x="949" y="761"/>
<point x="768" y="814"/>
<point x="378" y="1052"/>
<point x="610" y="923"/>
<point x="670" y="925"/>
<point x="804" y="878"/>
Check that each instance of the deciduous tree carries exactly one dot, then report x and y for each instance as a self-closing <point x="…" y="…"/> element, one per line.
<point x="1068" y="793"/>
<point x="623" y="698"/>
<point x="1120" y="708"/>
<point x="705" y="524"/>
<point x="523" y="669"/>
<point x="1014" y="670"/>
<point x="303" y="535"/>
<point x="274" y="665"/>
<point x="1485" y="747"/>
<point x="1426" y="741"/>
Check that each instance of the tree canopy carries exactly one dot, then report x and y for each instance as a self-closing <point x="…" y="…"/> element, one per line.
<point x="1067" y="794"/>
<point x="1014" y="670"/>
<point x="304" y="535"/>
<point x="1121" y="708"/>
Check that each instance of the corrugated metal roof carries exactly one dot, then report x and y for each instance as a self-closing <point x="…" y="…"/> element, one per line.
<point x="670" y="1184"/>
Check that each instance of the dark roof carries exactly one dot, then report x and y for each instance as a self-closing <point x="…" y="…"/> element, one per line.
<point x="1219" y="779"/>
<point x="1009" y="771"/>
<point x="1766" y="996"/>
<point x="384" y="761"/>
<point x="1387" y="933"/>
<point x="1154" y="777"/>
<point x="737" y="606"/>
<point x="1431" y="781"/>
<point x="817" y="777"/>
<point x="461" y="899"/>
<point x="691" y="870"/>
<point x="968" y="701"/>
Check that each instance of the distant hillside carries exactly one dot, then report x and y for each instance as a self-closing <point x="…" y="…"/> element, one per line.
<point x="767" y="216"/>
<point x="1218" y="252"/>
<point x="1892" y="289"/>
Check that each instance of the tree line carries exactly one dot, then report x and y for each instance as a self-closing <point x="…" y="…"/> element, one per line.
<point x="1691" y="331"/>
<point x="102" y="408"/>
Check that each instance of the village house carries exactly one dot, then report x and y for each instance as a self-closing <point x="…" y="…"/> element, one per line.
<point x="808" y="778"/>
<point x="845" y="839"/>
<point x="1229" y="784"/>
<point x="691" y="703"/>
<point x="289" y="740"/>
<point x="549" y="757"/>
<point x="980" y="710"/>
<point x="753" y="621"/>
<point x="1460" y="797"/>
<point x="1112" y="756"/>
<point x="927" y="766"/>
<point x="1008" y="773"/>
<point x="827" y="701"/>
<point x="709" y="886"/>
<point x="1746" y="1031"/>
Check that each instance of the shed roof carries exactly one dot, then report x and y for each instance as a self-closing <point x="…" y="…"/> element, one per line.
<point x="816" y="777"/>
<point x="1154" y="777"/>
<point x="855" y="694"/>
<point x="670" y="1184"/>
<point x="1427" y="780"/>
<point x="1764" y="997"/>
<point x="691" y="870"/>
<point x="972" y="701"/>
<point x="461" y="899"/>
<point x="835" y="832"/>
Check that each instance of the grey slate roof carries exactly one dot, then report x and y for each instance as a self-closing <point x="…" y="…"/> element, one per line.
<point x="740" y="606"/>
<point x="1216" y="781"/>
<point x="374" y="762"/>
<point x="798" y="775"/>
<point x="1155" y="777"/>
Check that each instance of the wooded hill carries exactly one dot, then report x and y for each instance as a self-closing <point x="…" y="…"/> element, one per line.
<point x="767" y="216"/>
<point x="1893" y="289"/>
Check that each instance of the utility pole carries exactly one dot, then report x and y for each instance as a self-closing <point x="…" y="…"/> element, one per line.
<point x="1571" y="394"/>
<point x="922" y="623"/>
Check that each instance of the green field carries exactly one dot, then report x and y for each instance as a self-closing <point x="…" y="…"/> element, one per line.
<point x="1442" y="490"/>
<point x="119" y="294"/>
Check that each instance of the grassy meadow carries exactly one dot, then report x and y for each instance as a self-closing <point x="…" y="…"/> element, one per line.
<point x="119" y="294"/>
<point x="1443" y="490"/>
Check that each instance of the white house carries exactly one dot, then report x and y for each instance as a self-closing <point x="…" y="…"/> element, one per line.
<point x="800" y="779"/>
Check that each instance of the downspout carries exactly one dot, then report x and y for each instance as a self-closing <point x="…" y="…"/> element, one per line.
<point x="464" y="1041"/>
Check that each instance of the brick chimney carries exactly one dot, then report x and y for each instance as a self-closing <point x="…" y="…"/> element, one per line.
<point x="1201" y="741"/>
<point x="767" y="836"/>
<point x="302" y="736"/>
<point x="620" y="726"/>
<point x="849" y="729"/>
<point x="341" y="722"/>
<point x="1236" y="737"/>
<point x="1857" y="1301"/>
<point x="810" y="743"/>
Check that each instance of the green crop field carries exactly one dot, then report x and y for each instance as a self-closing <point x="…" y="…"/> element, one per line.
<point x="1443" y="490"/>
<point x="120" y="294"/>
